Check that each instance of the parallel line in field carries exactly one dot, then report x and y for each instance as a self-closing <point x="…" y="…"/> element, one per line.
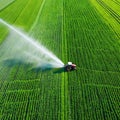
<point x="38" y="15"/>
<point x="17" y="71"/>
<point x="4" y="78"/>
<point x="24" y="81"/>
<point x="21" y="90"/>
<point x="78" y="18"/>
<point x="91" y="85"/>
<point x="110" y="11"/>
<point x="102" y="85"/>
<point x="65" y="98"/>
<point x="85" y="29"/>
<point x="19" y="102"/>
<point x="27" y="108"/>
<point x="111" y="22"/>
<point x="62" y="81"/>
<point x="116" y="1"/>
<point x="17" y="14"/>
<point x="79" y="29"/>
<point x="113" y="5"/>
<point x="7" y="5"/>
<point x="114" y="72"/>
<point x="22" y="11"/>
<point x="67" y="95"/>
<point x="95" y="49"/>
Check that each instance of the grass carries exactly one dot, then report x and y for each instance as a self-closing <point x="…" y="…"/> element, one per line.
<point x="77" y="31"/>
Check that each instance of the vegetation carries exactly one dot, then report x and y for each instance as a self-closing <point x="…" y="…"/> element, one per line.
<point x="76" y="31"/>
<point x="110" y="11"/>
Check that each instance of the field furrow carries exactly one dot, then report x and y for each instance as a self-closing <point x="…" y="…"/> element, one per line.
<point x="110" y="11"/>
<point x="85" y="32"/>
<point x="6" y="3"/>
<point x="110" y="14"/>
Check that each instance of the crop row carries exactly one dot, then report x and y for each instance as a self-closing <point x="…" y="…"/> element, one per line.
<point x="116" y="1"/>
<point x="110" y="11"/>
<point x="105" y="14"/>
<point x="91" y="92"/>
<point x="96" y="59"/>
<point x="96" y="77"/>
<point x="92" y="100"/>
<point x="5" y="14"/>
<point x="114" y="5"/>
<point x="16" y="72"/>
<point x="29" y="15"/>
<point x="5" y="3"/>
<point x="91" y="45"/>
<point x="95" y="39"/>
<point x="20" y="101"/>
<point x="44" y="100"/>
<point x="14" y="9"/>
<point x="48" y="27"/>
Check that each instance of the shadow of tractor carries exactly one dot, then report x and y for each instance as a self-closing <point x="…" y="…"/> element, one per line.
<point x="29" y="67"/>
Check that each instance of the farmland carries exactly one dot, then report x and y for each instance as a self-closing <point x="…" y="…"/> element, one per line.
<point x="86" y="32"/>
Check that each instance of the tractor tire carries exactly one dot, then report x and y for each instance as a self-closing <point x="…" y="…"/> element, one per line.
<point x="68" y="68"/>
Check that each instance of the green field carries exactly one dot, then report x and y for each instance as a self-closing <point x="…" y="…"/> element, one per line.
<point x="86" y="32"/>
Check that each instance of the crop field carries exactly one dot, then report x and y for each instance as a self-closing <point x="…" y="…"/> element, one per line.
<point x="86" y="32"/>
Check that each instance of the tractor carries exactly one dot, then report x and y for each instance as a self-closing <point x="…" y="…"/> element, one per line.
<point x="69" y="67"/>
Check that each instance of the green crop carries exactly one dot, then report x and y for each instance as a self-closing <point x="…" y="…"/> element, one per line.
<point x="5" y="3"/>
<point x="85" y="32"/>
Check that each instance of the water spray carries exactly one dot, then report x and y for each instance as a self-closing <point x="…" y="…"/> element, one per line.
<point x="21" y="47"/>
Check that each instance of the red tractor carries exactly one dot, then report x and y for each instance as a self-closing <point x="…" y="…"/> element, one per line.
<point x="70" y="67"/>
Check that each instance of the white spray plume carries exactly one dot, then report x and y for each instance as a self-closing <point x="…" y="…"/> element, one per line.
<point x="21" y="47"/>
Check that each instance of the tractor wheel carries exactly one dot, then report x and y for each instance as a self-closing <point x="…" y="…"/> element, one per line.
<point x="68" y="68"/>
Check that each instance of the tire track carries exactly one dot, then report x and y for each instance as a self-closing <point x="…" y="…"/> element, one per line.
<point x="65" y="96"/>
<point x="40" y="11"/>
<point x="63" y="76"/>
<point x="109" y="10"/>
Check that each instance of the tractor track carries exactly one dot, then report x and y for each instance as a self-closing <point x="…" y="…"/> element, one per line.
<point x="38" y="15"/>
<point x="65" y="97"/>
<point x="109" y="10"/>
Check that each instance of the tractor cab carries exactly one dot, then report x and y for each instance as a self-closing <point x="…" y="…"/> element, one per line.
<point x="70" y="67"/>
